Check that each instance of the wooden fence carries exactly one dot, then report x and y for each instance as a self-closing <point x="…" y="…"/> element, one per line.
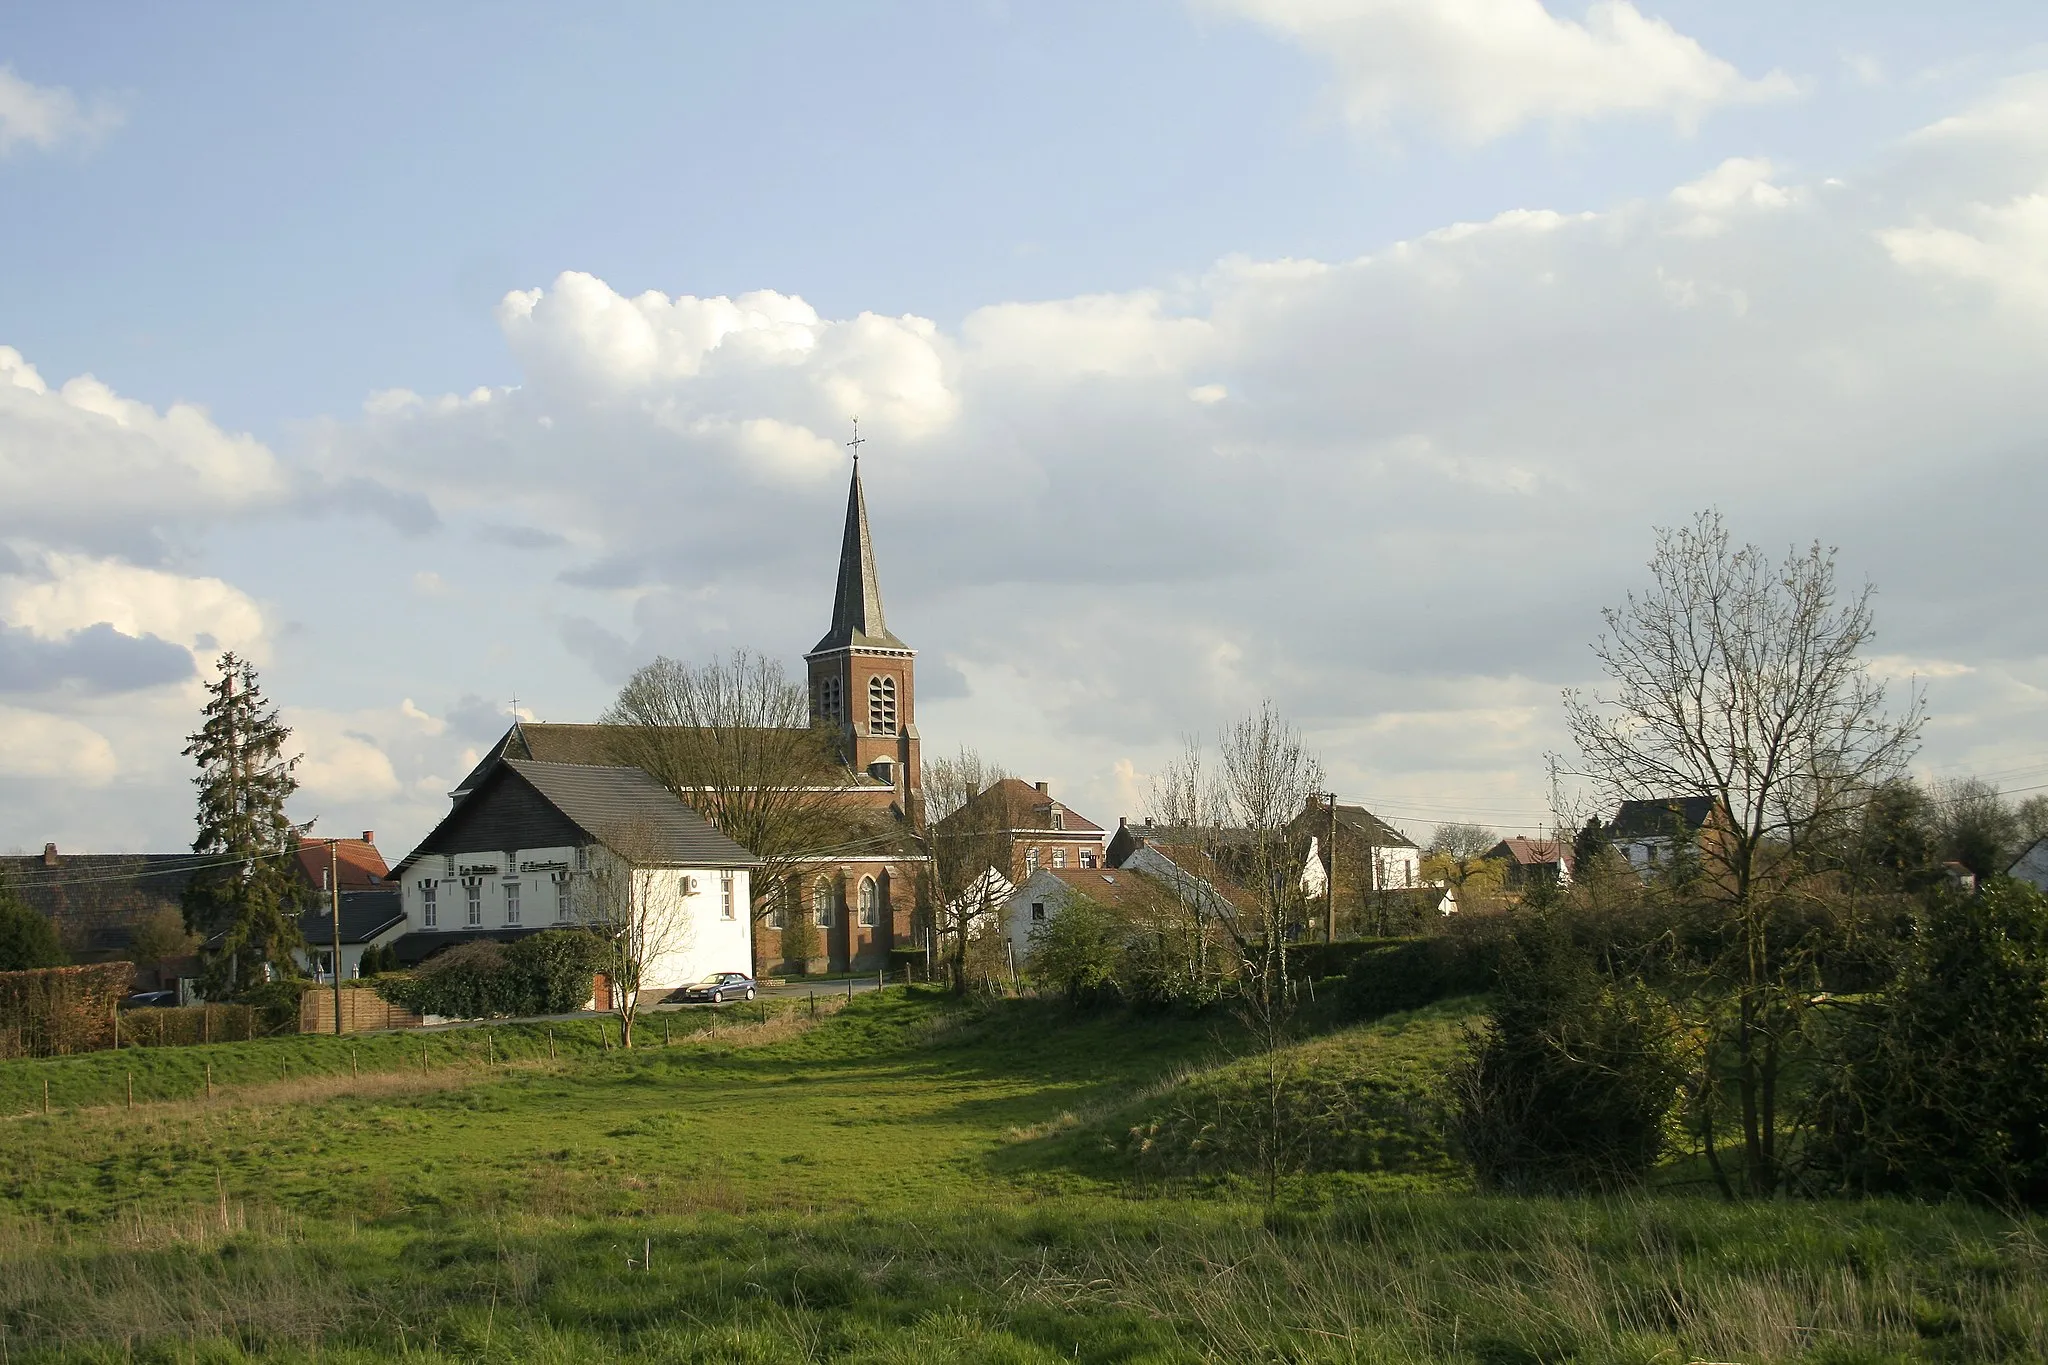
<point x="361" y="1011"/>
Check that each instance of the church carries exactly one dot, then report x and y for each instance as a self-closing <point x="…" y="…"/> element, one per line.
<point x="843" y="909"/>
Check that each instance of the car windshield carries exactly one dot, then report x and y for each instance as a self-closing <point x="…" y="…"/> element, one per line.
<point x="716" y="978"/>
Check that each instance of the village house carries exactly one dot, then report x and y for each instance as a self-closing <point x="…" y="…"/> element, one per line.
<point x="1528" y="863"/>
<point x="1047" y="891"/>
<point x="1027" y="828"/>
<point x="1650" y="834"/>
<point x="530" y="846"/>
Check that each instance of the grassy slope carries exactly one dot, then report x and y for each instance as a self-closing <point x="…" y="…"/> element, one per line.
<point x="895" y="1185"/>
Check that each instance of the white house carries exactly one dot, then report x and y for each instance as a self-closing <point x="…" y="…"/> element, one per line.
<point x="368" y="919"/>
<point x="1649" y="833"/>
<point x="535" y="846"/>
<point x="1046" y="891"/>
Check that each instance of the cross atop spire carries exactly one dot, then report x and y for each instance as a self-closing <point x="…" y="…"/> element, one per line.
<point x="857" y="604"/>
<point x="856" y="443"/>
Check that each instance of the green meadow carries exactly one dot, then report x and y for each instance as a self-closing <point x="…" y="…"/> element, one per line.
<point x="906" y="1179"/>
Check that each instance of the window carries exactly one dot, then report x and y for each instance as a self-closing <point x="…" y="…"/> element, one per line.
<point x="831" y="705"/>
<point x="1059" y="818"/>
<point x="1038" y="912"/>
<point x="870" y="902"/>
<point x="561" y="895"/>
<point x="882" y="705"/>
<point x="778" y="895"/>
<point x="1087" y="857"/>
<point x="430" y="915"/>
<point x="448" y="865"/>
<point x="1030" y="861"/>
<point x="821" y="903"/>
<point x="725" y="895"/>
<point x="583" y="858"/>
<point x="473" y="889"/>
<point x="511" y="902"/>
<point x="1059" y="857"/>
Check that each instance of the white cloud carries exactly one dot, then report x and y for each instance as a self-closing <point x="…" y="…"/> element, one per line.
<point x="48" y="117"/>
<point x="74" y="592"/>
<point x="81" y="464"/>
<point x="342" y="763"/>
<point x="2005" y="246"/>
<point x="34" y="744"/>
<point x="1482" y="68"/>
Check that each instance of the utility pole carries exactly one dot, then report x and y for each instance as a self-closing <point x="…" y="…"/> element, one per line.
<point x="1330" y="892"/>
<point x="334" y="905"/>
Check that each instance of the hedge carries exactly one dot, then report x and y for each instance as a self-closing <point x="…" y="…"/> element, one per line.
<point x="548" y="973"/>
<point x="50" y="1011"/>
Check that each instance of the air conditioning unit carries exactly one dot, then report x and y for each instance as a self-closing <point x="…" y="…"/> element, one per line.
<point x="689" y="886"/>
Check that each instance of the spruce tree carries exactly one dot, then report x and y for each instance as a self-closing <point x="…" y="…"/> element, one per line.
<point x="244" y="901"/>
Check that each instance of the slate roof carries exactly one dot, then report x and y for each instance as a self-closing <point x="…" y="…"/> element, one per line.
<point x="364" y="915"/>
<point x="599" y="746"/>
<point x="1655" y="818"/>
<point x="96" y="900"/>
<point x="857" y="603"/>
<point x="602" y="800"/>
<point x="1376" y="832"/>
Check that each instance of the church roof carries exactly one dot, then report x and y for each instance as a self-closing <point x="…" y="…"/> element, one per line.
<point x="600" y="745"/>
<point x="857" y="604"/>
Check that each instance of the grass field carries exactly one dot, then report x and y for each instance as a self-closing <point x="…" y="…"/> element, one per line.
<point x="903" y="1181"/>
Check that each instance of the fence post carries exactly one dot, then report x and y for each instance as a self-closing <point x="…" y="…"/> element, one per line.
<point x="664" y="1033"/>
<point x="423" y="1059"/>
<point x="131" y="1090"/>
<point x="551" y="1042"/>
<point x="353" y="1074"/>
<point x="814" y="1004"/>
<point x="46" y="1094"/>
<point x="490" y="1047"/>
<point x="209" y="1082"/>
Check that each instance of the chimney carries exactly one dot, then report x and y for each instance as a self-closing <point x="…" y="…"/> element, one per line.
<point x="49" y="855"/>
<point x="369" y="836"/>
<point x="1123" y="821"/>
<point x="1043" y="789"/>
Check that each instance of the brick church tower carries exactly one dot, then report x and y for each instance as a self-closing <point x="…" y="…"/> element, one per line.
<point x="864" y="679"/>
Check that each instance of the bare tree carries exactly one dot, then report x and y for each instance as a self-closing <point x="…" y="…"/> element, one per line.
<point x="638" y="907"/>
<point x="733" y="738"/>
<point x="1457" y="855"/>
<point x="1737" y="678"/>
<point x="970" y="855"/>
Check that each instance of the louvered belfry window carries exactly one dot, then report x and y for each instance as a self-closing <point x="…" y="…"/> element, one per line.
<point x="828" y="698"/>
<point x="882" y="705"/>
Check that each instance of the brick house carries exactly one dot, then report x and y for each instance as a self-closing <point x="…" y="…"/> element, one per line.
<point x="1033" y="829"/>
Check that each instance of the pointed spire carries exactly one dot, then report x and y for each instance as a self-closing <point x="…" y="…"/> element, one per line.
<point x="857" y="605"/>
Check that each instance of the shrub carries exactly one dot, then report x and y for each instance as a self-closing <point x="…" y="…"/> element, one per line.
<point x="1569" y="1085"/>
<point x="1317" y="961"/>
<point x="1407" y="974"/>
<point x="27" y="939"/>
<point x="276" y="1004"/>
<point x="547" y="973"/>
<point x="1077" y="952"/>
<point x="1939" y="1085"/>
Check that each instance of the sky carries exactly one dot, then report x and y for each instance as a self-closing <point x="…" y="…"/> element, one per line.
<point x="1342" y="353"/>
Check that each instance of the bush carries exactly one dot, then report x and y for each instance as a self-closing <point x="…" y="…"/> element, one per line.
<point x="1569" y="1085"/>
<point x="1939" y="1085"/>
<point x="56" y="1010"/>
<point x="1389" y="978"/>
<point x="1077" y="952"/>
<point x="547" y="973"/>
<point x="1318" y="961"/>
<point x="276" y="1004"/>
<point x="27" y="940"/>
<point x="378" y="960"/>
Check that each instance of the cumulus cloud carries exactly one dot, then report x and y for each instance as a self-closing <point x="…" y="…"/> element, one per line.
<point x="36" y="744"/>
<point x="75" y="593"/>
<point x="1481" y="68"/>
<point x="97" y="659"/>
<point x="46" y="118"/>
<point x="83" y="467"/>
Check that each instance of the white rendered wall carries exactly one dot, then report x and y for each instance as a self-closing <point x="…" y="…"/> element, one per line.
<point x="687" y="937"/>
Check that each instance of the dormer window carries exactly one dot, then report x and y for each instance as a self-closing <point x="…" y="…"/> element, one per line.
<point x="1059" y="818"/>
<point x="882" y="705"/>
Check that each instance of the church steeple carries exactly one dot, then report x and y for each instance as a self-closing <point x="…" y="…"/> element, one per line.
<point x="857" y="605"/>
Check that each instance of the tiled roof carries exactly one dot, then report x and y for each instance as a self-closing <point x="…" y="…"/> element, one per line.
<point x="1018" y="805"/>
<point x="96" y="900"/>
<point x="360" y="864"/>
<point x="1105" y="886"/>
<point x="1531" y="852"/>
<point x="1376" y="832"/>
<point x="600" y="746"/>
<point x="604" y="801"/>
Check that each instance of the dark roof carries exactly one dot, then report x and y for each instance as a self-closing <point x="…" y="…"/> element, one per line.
<point x="364" y="915"/>
<point x="857" y="604"/>
<point x="602" y="746"/>
<point x="1657" y="817"/>
<point x="1377" y="833"/>
<point x="96" y="900"/>
<point x="1017" y="805"/>
<point x="604" y="801"/>
<point x="419" y="945"/>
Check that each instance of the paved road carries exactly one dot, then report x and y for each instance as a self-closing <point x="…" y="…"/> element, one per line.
<point x="799" y="989"/>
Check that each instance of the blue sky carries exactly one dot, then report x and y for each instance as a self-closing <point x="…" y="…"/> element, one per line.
<point x="279" y="213"/>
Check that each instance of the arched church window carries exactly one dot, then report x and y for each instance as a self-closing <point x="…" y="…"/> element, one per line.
<point x="821" y="902"/>
<point x="882" y="705"/>
<point x="870" y="902"/>
<point x="830" y="703"/>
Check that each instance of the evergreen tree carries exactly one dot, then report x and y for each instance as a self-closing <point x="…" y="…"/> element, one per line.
<point x="244" y="903"/>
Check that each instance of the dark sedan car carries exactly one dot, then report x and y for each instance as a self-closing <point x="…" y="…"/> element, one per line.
<point x="150" y="1000"/>
<point x="718" y="988"/>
